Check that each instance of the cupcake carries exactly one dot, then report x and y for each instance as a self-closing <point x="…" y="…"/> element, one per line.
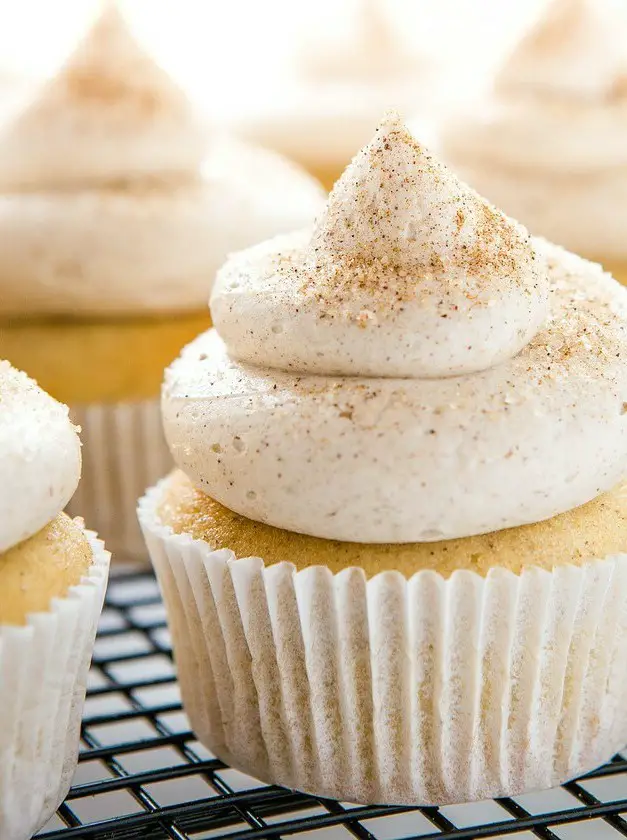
<point x="115" y="213"/>
<point x="548" y="144"/>
<point x="392" y="553"/>
<point x="53" y="575"/>
<point x="339" y="80"/>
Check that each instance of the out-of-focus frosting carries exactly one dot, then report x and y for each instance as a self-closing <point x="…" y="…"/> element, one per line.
<point x="560" y="101"/>
<point x="414" y="369"/>
<point x="111" y="202"/>
<point x="147" y="247"/>
<point x="109" y="113"/>
<point x="341" y="82"/>
<point x="40" y="457"/>
<point x="371" y="51"/>
<point x="549" y="144"/>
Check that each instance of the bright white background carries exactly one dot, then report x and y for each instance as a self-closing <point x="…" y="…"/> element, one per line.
<point x="224" y="48"/>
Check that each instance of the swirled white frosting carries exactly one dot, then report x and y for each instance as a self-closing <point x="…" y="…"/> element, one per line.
<point x="111" y="199"/>
<point x="40" y="457"/>
<point x="415" y="369"/>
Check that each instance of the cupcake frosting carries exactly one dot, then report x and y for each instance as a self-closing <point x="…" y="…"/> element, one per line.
<point x="109" y="113"/>
<point x="560" y="100"/>
<point x="114" y="200"/>
<point x="415" y="368"/>
<point x="408" y="273"/>
<point x="40" y="457"/>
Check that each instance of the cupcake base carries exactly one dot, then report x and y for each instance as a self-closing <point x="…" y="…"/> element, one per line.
<point x="419" y="690"/>
<point x="43" y="677"/>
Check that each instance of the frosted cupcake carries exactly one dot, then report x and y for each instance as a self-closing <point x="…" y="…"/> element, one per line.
<point x="549" y="145"/>
<point x="334" y="91"/>
<point x="392" y="555"/>
<point x="115" y="212"/>
<point x="52" y="580"/>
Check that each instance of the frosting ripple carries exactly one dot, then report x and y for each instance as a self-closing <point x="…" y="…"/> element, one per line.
<point x="40" y="457"/>
<point x="415" y="368"/>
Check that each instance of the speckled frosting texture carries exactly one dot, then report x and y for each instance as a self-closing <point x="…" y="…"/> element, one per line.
<point x="40" y="458"/>
<point x="549" y="143"/>
<point x="115" y="200"/>
<point x="335" y="398"/>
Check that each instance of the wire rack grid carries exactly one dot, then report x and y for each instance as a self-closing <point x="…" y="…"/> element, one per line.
<point x="142" y="774"/>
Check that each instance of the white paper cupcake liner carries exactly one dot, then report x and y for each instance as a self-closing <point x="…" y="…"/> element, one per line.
<point x="43" y="676"/>
<point x="124" y="451"/>
<point x="388" y="690"/>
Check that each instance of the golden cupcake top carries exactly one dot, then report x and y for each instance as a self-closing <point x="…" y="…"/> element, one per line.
<point x="42" y="567"/>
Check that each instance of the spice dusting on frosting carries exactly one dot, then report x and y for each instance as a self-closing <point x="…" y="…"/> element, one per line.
<point x="397" y="218"/>
<point x="415" y="260"/>
<point x="549" y="143"/>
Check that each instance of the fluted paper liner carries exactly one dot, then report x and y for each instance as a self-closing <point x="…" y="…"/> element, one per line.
<point x="392" y="690"/>
<point x="124" y="451"/>
<point x="43" y="677"/>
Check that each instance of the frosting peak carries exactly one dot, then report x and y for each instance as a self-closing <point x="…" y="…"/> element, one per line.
<point x="577" y="50"/>
<point x="408" y="273"/>
<point x="397" y="204"/>
<point x="118" y="111"/>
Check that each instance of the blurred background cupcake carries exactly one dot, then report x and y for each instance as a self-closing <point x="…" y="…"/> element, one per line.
<point x="116" y="208"/>
<point x="548" y="142"/>
<point x="344" y="68"/>
<point x="53" y="575"/>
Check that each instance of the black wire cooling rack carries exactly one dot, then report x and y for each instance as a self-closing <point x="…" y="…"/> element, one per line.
<point x="143" y="775"/>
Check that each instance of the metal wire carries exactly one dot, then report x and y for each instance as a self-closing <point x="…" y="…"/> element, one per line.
<point x="143" y="775"/>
